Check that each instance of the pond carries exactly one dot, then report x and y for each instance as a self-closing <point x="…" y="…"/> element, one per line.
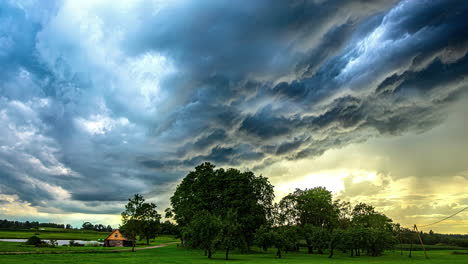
<point x="60" y="242"/>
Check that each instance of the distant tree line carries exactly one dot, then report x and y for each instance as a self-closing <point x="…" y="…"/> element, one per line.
<point x="15" y="225"/>
<point x="18" y="225"/>
<point x="431" y="238"/>
<point x="96" y="227"/>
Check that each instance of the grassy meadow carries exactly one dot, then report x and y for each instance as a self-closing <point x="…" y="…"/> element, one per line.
<point x="54" y="233"/>
<point x="174" y="254"/>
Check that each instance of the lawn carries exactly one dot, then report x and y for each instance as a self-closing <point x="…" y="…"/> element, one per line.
<point x="173" y="254"/>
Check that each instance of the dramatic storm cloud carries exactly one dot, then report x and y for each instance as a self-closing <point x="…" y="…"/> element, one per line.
<point x="103" y="99"/>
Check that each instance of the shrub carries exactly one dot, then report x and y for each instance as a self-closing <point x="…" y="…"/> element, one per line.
<point x="52" y="243"/>
<point x="34" y="240"/>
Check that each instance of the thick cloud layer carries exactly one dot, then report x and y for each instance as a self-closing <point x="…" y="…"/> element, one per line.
<point x="103" y="99"/>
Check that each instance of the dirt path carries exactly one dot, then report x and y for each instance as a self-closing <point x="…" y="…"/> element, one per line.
<point x="141" y="248"/>
<point x="85" y="251"/>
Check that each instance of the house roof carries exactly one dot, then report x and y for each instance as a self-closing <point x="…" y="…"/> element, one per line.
<point x="113" y="236"/>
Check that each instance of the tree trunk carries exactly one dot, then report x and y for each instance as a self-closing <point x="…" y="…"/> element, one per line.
<point x="332" y="247"/>
<point x="206" y="252"/>
<point x="352" y="252"/>
<point x="227" y="253"/>
<point x="320" y="251"/>
<point x="278" y="253"/>
<point x="147" y="241"/>
<point x="133" y="246"/>
<point x="209" y="253"/>
<point x="310" y="249"/>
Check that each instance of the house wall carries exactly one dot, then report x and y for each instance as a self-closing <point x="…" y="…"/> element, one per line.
<point x="115" y="243"/>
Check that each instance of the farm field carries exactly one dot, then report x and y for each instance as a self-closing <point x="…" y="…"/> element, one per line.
<point x="173" y="254"/>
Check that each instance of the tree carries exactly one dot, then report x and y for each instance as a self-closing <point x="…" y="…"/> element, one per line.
<point x="141" y="219"/>
<point x="282" y="238"/>
<point x="217" y="191"/>
<point x="335" y="239"/>
<point x="313" y="211"/>
<point x="316" y="236"/>
<point x="169" y="228"/>
<point x="370" y="231"/>
<point x="230" y="235"/>
<point x="203" y="231"/>
<point x="99" y="228"/>
<point x="87" y="226"/>
<point x="34" y="240"/>
<point x="263" y="237"/>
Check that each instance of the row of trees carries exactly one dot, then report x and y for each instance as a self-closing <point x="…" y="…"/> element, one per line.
<point x="228" y="209"/>
<point x="18" y="225"/>
<point x="97" y="227"/>
<point x="15" y="225"/>
<point x="430" y="238"/>
<point x="313" y="217"/>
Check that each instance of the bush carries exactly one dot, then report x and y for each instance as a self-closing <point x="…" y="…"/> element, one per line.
<point x="52" y="243"/>
<point x="34" y="240"/>
<point x="72" y="243"/>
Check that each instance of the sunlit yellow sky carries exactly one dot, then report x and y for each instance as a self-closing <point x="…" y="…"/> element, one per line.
<point x="102" y="99"/>
<point x="413" y="178"/>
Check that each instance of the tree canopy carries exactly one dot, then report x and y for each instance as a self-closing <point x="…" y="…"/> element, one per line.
<point x="217" y="191"/>
<point x="140" y="219"/>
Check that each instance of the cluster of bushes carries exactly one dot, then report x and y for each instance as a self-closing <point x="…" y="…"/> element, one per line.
<point x="72" y="243"/>
<point x="37" y="242"/>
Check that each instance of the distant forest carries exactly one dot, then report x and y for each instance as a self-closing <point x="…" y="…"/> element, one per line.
<point x="166" y="227"/>
<point x="18" y="225"/>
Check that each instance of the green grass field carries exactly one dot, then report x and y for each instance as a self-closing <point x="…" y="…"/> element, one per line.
<point x="55" y="234"/>
<point x="21" y="247"/>
<point x="173" y="254"/>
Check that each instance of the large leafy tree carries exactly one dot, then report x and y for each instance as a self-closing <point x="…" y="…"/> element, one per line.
<point x="313" y="211"/>
<point x="373" y="231"/>
<point x="218" y="190"/>
<point x="140" y="219"/>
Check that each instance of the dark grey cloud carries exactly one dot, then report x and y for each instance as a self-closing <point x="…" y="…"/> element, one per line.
<point x="101" y="101"/>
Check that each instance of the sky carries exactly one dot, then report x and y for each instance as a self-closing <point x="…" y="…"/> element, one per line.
<point x="102" y="99"/>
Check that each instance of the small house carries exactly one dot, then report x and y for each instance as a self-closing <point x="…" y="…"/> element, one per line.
<point x="116" y="239"/>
